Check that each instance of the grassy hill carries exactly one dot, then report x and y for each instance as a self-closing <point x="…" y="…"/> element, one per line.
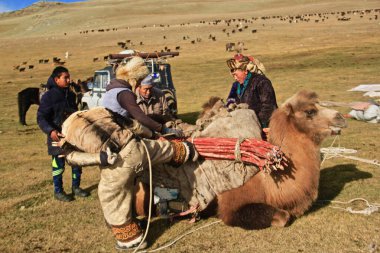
<point x="54" y="18"/>
<point x="323" y="54"/>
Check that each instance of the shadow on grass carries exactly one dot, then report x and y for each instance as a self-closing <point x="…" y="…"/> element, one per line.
<point x="91" y="188"/>
<point x="189" y="117"/>
<point x="156" y="229"/>
<point x="159" y="226"/>
<point x="333" y="180"/>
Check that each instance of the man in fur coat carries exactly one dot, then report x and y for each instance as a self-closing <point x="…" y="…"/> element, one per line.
<point x="97" y="137"/>
<point x="110" y="138"/>
<point x="121" y="98"/>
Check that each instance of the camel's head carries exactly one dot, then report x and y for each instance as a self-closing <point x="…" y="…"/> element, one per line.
<point x="309" y="117"/>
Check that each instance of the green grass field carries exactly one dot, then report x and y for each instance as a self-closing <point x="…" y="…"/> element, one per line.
<point x="329" y="57"/>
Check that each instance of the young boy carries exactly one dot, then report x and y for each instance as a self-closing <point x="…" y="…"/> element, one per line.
<point x="56" y="105"/>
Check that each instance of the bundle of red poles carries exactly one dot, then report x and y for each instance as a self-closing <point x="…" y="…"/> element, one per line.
<point x="251" y="151"/>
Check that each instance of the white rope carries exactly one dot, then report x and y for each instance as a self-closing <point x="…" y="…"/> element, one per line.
<point x="150" y="196"/>
<point x="333" y="152"/>
<point x="150" y="213"/>
<point x="237" y="152"/>
<point x="371" y="208"/>
<point x="179" y="238"/>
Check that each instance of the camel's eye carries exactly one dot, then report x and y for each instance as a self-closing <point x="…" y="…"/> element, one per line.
<point x="310" y="113"/>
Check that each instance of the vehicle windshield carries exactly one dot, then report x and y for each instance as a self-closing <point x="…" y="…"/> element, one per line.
<point x="162" y="74"/>
<point x="101" y="80"/>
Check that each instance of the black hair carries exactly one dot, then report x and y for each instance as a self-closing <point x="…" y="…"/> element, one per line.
<point x="58" y="71"/>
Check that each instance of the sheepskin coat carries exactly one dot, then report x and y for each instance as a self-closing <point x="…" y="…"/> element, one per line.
<point x="259" y="95"/>
<point x="156" y="107"/>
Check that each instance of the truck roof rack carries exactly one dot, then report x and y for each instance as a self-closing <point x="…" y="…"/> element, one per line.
<point x="155" y="55"/>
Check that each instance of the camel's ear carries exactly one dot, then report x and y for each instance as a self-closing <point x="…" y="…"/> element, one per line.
<point x="288" y="109"/>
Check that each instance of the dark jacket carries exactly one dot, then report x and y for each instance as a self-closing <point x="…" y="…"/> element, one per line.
<point x="259" y="95"/>
<point x="56" y="105"/>
<point x="127" y="100"/>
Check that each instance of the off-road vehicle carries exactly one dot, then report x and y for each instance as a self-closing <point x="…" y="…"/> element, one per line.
<point x="157" y="65"/>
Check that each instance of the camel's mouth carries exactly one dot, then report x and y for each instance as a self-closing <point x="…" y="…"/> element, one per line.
<point x="335" y="130"/>
<point x="337" y="125"/>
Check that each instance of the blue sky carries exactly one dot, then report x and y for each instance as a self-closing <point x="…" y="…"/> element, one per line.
<point x="11" y="5"/>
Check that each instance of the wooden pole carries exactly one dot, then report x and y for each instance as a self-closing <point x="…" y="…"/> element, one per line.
<point x="143" y="55"/>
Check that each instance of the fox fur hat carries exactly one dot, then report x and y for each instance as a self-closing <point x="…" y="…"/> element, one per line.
<point x="132" y="70"/>
<point x="243" y="62"/>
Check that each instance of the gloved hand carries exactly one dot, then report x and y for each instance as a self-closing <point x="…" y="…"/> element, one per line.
<point x="171" y="131"/>
<point x="107" y="157"/>
<point x="193" y="153"/>
<point x="231" y="104"/>
<point x="183" y="152"/>
<point x="230" y="101"/>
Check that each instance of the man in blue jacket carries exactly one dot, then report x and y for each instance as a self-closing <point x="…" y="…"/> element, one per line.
<point x="56" y="105"/>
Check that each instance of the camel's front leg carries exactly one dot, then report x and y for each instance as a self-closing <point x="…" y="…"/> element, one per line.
<point x="254" y="216"/>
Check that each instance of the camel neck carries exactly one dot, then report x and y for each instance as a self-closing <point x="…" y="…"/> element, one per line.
<point x="299" y="148"/>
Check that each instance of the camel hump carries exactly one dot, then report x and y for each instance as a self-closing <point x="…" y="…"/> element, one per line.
<point x="241" y="123"/>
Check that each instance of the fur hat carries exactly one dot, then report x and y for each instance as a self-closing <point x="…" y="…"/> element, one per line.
<point x="132" y="70"/>
<point x="243" y="62"/>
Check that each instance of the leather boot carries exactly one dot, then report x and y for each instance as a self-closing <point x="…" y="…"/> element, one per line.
<point x="79" y="192"/>
<point x="62" y="196"/>
<point x="128" y="236"/>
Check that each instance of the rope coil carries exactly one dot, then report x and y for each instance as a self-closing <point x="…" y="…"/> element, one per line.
<point x="333" y="152"/>
<point x="371" y="208"/>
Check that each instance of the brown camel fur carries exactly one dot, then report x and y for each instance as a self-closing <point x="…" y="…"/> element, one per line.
<point x="298" y="127"/>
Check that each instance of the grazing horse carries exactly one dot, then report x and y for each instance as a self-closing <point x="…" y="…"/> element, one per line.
<point x="26" y="98"/>
<point x="32" y="96"/>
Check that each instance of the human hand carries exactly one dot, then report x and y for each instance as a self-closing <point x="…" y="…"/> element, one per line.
<point x="193" y="153"/>
<point x="107" y="157"/>
<point x="56" y="136"/>
<point x="266" y="132"/>
<point x="171" y="131"/>
<point x="230" y="101"/>
<point x="231" y="104"/>
<point x="111" y="157"/>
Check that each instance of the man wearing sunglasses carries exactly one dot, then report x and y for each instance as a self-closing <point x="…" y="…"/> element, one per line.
<point x="252" y="87"/>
